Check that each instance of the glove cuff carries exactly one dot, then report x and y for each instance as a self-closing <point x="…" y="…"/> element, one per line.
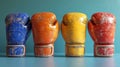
<point x="75" y="49"/>
<point x="15" y="50"/>
<point x="103" y="50"/>
<point x="44" y="50"/>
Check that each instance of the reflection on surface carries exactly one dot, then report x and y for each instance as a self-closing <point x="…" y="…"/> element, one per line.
<point x="14" y="62"/>
<point x="87" y="61"/>
<point x="44" y="62"/>
<point x="104" y="62"/>
<point x="75" y="62"/>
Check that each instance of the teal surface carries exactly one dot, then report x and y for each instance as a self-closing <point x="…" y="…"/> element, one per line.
<point x="60" y="61"/>
<point x="59" y="7"/>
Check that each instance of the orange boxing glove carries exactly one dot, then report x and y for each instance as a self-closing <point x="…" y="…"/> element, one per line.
<point x="45" y="31"/>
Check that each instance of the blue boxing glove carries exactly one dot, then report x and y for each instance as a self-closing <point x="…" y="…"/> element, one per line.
<point x="18" y="29"/>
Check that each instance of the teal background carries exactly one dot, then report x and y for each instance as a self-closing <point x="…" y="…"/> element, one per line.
<point x="59" y="7"/>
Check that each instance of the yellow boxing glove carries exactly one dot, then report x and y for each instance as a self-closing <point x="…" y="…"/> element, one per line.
<point x="74" y="33"/>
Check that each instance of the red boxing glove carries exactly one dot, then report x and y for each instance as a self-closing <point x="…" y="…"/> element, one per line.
<point x="45" y="32"/>
<point x="101" y="27"/>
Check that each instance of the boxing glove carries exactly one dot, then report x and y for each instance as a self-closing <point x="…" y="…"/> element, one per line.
<point x="17" y="31"/>
<point x="74" y="33"/>
<point x="45" y="32"/>
<point x="101" y="27"/>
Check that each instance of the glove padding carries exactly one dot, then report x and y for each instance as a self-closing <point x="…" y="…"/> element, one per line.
<point x="102" y="30"/>
<point x="17" y="31"/>
<point x="45" y="32"/>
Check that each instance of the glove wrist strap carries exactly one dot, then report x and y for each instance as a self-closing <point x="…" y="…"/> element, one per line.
<point x="15" y="50"/>
<point x="75" y="49"/>
<point x="103" y="50"/>
<point x="44" y="50"/>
